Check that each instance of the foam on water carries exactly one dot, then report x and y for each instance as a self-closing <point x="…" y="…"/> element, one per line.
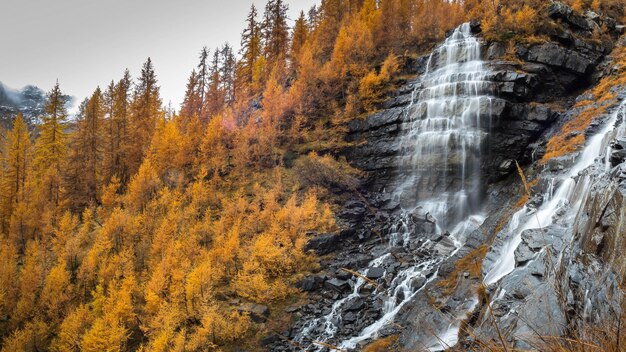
<point x="442" y="149"/>
<point x="570" y="194"/>
<point x="440" y="166"/>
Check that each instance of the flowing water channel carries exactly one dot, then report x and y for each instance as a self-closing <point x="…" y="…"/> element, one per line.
<point x="561" y="202"/>
<point x="440" y="168"/>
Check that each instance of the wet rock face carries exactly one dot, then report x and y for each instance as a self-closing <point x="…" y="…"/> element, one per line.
<point x="553" y="54"/>
<point x="322" y="244"/>
<point x="568" y="265"/>
<point x="356" y="303"/>
<point x="527" y="90"/>
<point x="529" y="96"/>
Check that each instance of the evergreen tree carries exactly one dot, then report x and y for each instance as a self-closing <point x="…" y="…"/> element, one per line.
<point x="84" y="169"/>
<point x="51" y="147"/>
<point x="118" y="164"/>
<point x="275" y="33"/>
<point x="16" y="166"/>
<point x="192" y="100"/>
<point x="227" y="72"/>
<point x="250" y="46"/>
<point x="215" y="94"/>
<point x="329" y="17"/>
<point x="146" y="109"/>
<point x="202" y="79"/>
<point x="109" y="132"/>
<point x="298" y="38"/>
<point x="392" y="33"/>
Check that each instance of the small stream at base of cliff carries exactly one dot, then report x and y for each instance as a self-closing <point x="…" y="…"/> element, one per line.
<point x="562" y="202"/>
<point x="440" y="192"/>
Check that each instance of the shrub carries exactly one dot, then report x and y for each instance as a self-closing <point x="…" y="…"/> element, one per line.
<point x="325" y="171"/>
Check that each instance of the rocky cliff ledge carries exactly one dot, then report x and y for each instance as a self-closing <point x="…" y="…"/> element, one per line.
<point x="535" y="87"/>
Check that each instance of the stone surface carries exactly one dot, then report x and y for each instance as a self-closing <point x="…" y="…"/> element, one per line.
<point x="375" y="273"/>
<point x="338" y="285"/>
<point x="322" y="244"/>
<point x="535" y="95"/>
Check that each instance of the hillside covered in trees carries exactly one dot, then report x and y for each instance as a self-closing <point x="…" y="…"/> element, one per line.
<point x="135" y="227"/>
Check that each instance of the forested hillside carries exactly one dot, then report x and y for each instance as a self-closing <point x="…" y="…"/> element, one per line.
<point x="136" y="227"/>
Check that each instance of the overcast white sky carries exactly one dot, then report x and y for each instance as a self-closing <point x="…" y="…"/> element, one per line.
<point x="87" y="43"/>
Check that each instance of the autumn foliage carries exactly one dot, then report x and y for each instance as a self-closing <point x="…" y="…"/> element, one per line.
<point x="134" y="227"/>
<point x="571" y="136"/>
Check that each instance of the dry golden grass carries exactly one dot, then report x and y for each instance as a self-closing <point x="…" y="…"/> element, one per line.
<point x="571" y="137"/>
<point x="381" y="345"/>
<point x="470" y="263"/>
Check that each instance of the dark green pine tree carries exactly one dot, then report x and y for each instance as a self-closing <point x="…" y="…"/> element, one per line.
<point x="202" y="79"/>
<point x="146" y="110"/>
<point x="251" y="47"/>
<point x="275" y="33"/>
<point x="227" y="73"/>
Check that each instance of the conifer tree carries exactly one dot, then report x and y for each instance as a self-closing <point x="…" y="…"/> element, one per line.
<point x="146" y="109"/>
<point x="84" y="169"/>
<point x="250" y="46"/>
<point x="392" y="33"/>
<point x="110" y="131"/>
<point x="298" y="38"/>
<point x="329" y="17"/>
<point x="275" y="33"/>
<point x="192" y="100"/>
<point x="118" y="164"/>
<point x="202" y="79"/>
<point x="215" y="94"/>
<point x="16" y="168"/>
<point x="227" y="72"/>
<point x="51" y="146"/>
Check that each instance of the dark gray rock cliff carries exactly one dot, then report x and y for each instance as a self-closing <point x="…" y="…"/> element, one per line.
<point x="534" y="92"/>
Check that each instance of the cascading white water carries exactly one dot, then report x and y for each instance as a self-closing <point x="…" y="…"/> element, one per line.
<point x="573" y="189"/>
<point x="441" y="153"/>
<point x="441" y="177"/>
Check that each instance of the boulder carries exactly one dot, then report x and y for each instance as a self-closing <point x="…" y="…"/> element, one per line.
<point x="270" y="339"/>
<point x="445" y="246"/>
<point x="523" y="254"/>
<point x="559" y="10"/>
<point x="310" y="283"/>
<point x="354" y="304"/>
<point x="322" y="244"/>
<point x="423" y="222"/>
<point x="618" y="154"/>
<point x="536" y="239"/>
<point x="349" y="317"/>
<point x="337" y="285"/>
<point x="374" y="273"/>
<point x="418" y="282"/>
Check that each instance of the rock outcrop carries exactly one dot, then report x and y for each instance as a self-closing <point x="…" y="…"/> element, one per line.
<point x="534" y="89"/>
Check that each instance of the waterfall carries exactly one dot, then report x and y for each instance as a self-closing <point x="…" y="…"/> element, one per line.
<point x="441" y="152"/>
<point x="440" y="180"/>
<point x="568" y="197"/>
